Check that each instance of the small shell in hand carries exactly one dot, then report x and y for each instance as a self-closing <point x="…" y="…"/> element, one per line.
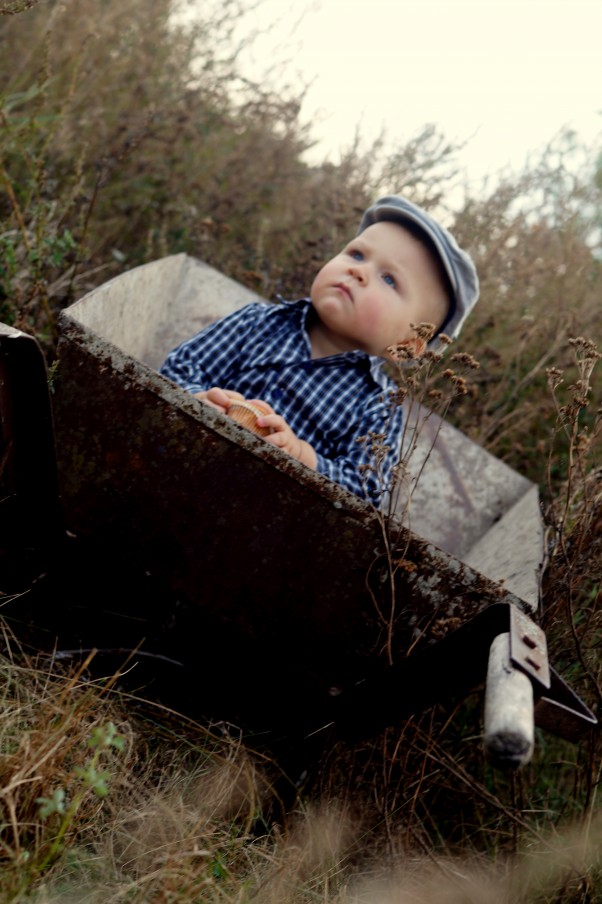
<point x="246" y="413"/>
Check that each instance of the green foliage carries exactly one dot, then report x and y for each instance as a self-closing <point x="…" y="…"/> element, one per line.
<point x="90" y="778"/>
<point x="54" y="804"/>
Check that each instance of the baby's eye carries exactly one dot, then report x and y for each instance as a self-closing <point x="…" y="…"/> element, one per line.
<point x="390" y="280"/>
<point x="356" y="254"/>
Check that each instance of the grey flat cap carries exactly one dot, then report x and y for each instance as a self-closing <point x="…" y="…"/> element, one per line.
<point x="456" y="262"/>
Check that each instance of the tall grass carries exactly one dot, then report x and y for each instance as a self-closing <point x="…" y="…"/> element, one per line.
<point x="124" y="137"/>
<point x="108" y="798"/>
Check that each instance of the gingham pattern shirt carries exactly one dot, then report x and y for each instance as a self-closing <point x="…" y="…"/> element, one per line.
<point x="263" y="351"/>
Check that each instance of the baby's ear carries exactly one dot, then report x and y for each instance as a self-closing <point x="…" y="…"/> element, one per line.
<point x="408" y="349"/>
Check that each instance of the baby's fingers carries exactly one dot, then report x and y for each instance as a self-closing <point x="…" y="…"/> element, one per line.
<point x="221" y="398"/>
<point x="275" y="422"/>
<point x="204" y="398"/>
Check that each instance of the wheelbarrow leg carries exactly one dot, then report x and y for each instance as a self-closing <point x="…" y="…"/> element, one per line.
<point x="31" y="522"/>
<point x="509" y="731"/>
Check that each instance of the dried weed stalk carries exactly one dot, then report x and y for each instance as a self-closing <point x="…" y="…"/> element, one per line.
<point x="572" y="582"/>
<point x="427" y="388"/>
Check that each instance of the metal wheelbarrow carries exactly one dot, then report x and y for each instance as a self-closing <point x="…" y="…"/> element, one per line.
<point x="291" y="603"/>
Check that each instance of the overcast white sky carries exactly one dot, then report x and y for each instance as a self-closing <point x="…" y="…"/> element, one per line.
<point x="506" y="74"/>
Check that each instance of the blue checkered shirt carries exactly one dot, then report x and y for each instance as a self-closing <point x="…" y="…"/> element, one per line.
<point x="263" y="351"/>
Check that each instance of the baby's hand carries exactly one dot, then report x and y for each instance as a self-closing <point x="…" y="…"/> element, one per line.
<point x="218" y="398"/>
<point x="284" y="438"/>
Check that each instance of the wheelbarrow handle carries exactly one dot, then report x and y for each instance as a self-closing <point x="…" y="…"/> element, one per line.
<point x="509" y="721"/>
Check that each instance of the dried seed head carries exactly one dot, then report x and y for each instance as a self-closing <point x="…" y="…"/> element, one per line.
<point x="401" y="352"/>
<point x="398" y="396"/>
<point x="399" y="469"/>
<point x="466" y="359"/>
<point x="587" y="345"/>
<point x="554" y="375"/>
<point x="583" y="441"/>
<point x="424" y="331"/>
<point x="460" y="385"/>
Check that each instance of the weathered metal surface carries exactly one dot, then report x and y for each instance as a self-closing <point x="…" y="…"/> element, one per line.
<point x="272" y="566"/>
<point x="29" y="510"/>
<point x="511" y="550"/>
<point x="151" y="309"/>
<point x="473" y="505"/>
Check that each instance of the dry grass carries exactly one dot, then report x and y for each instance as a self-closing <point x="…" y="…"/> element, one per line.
<point x="179" y="819"/>
<point x="175" y="819"/>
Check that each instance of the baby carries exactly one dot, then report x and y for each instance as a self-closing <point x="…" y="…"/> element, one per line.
<point x="317" y="363"/>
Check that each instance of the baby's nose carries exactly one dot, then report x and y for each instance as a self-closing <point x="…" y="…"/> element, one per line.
<point x="358" y="270"/>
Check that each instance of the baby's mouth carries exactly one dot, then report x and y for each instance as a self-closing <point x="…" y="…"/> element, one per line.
<point x="344" y="288"/>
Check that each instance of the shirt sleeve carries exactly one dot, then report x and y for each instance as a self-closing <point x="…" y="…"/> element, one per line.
<point x="211" y="357"/>
<point x="366" y="464"/>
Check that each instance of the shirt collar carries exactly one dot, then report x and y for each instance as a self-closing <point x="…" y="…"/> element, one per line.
<point x="283" y="352"/>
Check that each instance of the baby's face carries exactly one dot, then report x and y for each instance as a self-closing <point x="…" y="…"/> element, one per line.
<point x="381" y="282"/>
